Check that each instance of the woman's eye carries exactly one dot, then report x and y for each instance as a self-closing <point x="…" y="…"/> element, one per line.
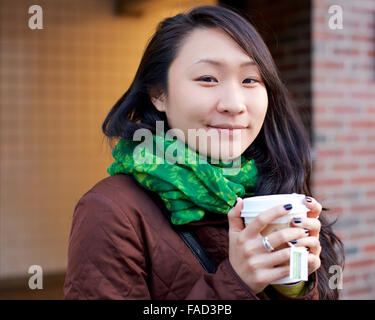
<point x="254" y="80"/>
<point x="206" y="79"/>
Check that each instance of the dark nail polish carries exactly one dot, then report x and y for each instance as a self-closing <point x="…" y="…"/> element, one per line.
<point x="293" y="242"/>
<point x="307" y="231"/>
<point x="308" y="199"/>
<point x="297" y="220"/>
<point x="308" y="249"/>
<point x="288" y="206"/>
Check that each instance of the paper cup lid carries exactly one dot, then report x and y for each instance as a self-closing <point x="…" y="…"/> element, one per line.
<point x="255" y="205"/>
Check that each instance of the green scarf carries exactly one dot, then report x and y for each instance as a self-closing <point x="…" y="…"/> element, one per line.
<point x="188" y="189"/>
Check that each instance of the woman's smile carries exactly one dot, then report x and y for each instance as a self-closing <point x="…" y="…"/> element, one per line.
<point x="228" y="130"/>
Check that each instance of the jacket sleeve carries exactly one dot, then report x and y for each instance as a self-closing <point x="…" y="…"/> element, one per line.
<point x="105" y="255"/>
<point x="225" y="284"/>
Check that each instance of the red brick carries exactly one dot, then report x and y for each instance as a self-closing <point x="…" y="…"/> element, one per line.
<point x="321" y="35"/>
<point x="345" y="166"/>
<point x="362" y="66"/>
<point x="363" y="38"/>
<point x="348" y="81"/>
<point x="346" y="109"/>
<point x="359" y="264"/>
<point x="327" y="124"/>
<point x="363" y="180"/>
<point x="320" y="109"/>
<point x="370" y="221"/>
<point x="320" y="20"/>
<point x="328" y="94"/>
<point x="351" y="24"/>
<point x="361" y="10"/>
<point x="371" y="109"/>
<point x="328" y="65"/>
<point x="320" y="153"/>
<point x="363" y="124"/>
<point x="328" y="182"/>
<point x="350" y="52"/>
<point x="362" y="209"/>
<point x="320" y="5"/>
<point x="347" y="138"/>
<point x="362" y="235"/>
<point x="360" y="291"/>
<point x="363" y="95"/>
<point x="369" y="248"/>
<point x="363" y="152"/>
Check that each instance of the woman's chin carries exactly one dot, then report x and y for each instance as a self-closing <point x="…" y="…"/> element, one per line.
<point x="224" y="157"/>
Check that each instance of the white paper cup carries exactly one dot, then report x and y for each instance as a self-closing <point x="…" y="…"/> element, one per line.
<point x="253" y="206"/>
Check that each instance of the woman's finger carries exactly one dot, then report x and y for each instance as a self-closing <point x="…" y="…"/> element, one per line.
<point x="283" y="236"/>
<point x="311" y="224"/>
<point x="264" y="218"/>
<point x="235" y="221"/>
<point x="275" y="258"/>
<point x="312" y="243"/>
<point x="313" y="263"/>
<point x="314" y="206"/>
<point x="267" y="276"/>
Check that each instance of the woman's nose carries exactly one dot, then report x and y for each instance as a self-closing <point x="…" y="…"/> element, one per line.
<point x="231" y="101"/>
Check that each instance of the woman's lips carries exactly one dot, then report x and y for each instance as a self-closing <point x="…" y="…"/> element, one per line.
<point x="228" y="131"/>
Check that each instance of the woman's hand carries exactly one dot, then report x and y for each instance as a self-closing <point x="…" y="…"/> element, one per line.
<point x="256" y="266"/>
<point x="312" y="224"/>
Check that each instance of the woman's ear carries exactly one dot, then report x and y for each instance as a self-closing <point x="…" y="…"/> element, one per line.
<point x="158" y="100"/>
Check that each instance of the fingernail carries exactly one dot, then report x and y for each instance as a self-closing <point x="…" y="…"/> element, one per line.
<point x="288" y="206"/>
<point x="307" y="231"/>
<point x="297" y="220"/>
<point x="308" y="249"/>
<point x="308" y="199"/>
<point x="292" y="243"/>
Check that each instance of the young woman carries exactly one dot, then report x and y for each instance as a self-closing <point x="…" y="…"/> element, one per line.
<point x="164" y="230"/>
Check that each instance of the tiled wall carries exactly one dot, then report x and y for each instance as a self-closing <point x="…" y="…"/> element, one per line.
<point x="57" y="85"/>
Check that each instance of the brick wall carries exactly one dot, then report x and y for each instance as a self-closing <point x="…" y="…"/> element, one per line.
<point x="331" y="74"/>
<point x="343" y="86"/>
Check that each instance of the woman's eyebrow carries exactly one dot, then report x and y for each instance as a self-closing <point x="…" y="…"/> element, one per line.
<point x="220" y="63"/>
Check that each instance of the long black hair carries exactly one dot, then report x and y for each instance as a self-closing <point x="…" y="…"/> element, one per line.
<point x="281" y="150"/>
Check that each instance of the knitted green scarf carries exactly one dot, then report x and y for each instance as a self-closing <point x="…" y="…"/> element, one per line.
<point x="187" y="188"/>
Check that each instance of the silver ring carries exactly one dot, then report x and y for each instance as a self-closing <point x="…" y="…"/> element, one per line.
<point x="267" y="244"/>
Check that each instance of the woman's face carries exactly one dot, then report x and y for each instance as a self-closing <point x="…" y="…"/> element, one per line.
<point x="215" y="95"/>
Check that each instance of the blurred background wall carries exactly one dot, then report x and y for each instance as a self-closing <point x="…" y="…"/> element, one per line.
<point x="57" y="85"/>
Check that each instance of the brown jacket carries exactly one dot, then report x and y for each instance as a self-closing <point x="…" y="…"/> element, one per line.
<point x="122" y="247"/>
